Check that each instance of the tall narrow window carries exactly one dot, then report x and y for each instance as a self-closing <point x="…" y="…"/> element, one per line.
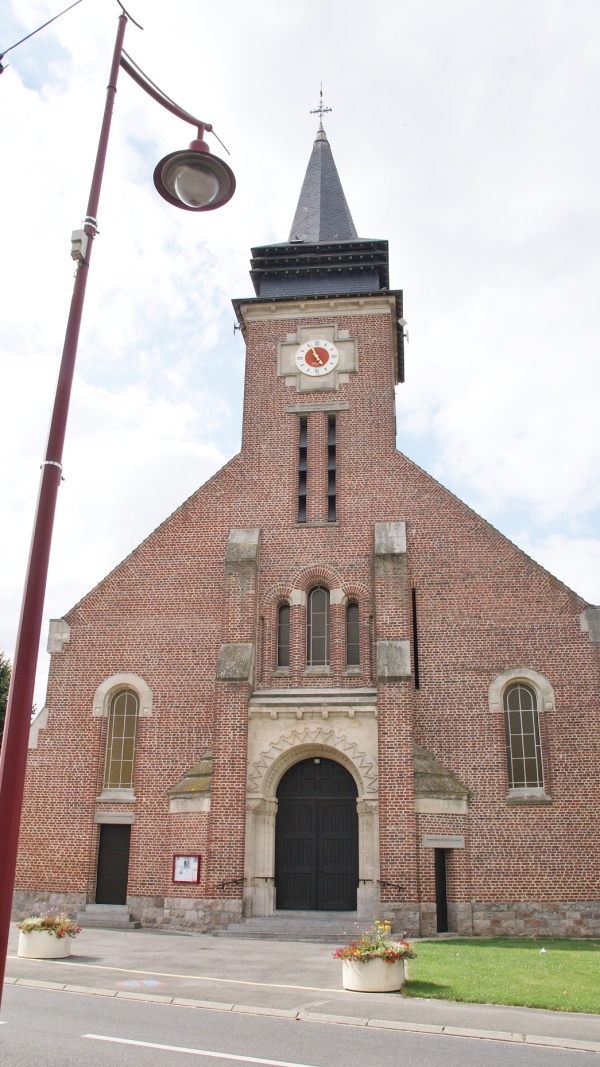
<point x="331" y="471"/>
<point x="120" y="745"/>
<point x="317" y="628"/>
<point x="302" y="466"/>
<point x="283" y="635"/>
<point x="523" y="745"/>
<point x="352" y="636"/>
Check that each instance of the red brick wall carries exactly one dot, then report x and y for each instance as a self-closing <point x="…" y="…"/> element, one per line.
<point x="162" y="614"/>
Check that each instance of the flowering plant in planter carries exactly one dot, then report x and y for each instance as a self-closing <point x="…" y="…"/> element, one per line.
<point x="376" y="943"/>
<point x="58" y="925"/>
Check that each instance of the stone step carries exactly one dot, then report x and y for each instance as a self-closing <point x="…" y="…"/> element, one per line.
<point x="106" y="909"/>
<point x="325" y="927"/>
<point x="107" y="917"/>
<point x="107" y="924"/>
<point x="281" y="935"/>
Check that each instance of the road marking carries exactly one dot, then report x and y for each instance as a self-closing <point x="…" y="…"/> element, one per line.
<point x="197" y="1051"/>
<point x="193" y="977"/>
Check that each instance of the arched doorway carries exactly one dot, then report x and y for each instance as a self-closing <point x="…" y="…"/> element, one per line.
<point x="316" y="838"/>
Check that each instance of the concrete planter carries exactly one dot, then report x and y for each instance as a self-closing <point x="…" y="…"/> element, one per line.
<point x="373" y="976"/>
<point x="41" y="945"/>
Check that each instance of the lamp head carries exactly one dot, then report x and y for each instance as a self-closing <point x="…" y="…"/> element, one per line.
<point x="194" y="179"/>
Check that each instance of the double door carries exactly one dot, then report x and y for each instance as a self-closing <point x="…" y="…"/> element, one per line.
<point x="316" y="838"/>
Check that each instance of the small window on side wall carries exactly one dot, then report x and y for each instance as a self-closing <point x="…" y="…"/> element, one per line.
<point x="317" y="628"/>
<point x="523" y="742"/>
<point x="352" y="636"/>
<point x="120" y="743"/>
<point x="283" y="635"/>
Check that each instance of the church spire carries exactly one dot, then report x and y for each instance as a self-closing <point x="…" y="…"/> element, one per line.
<point x="323" y="256"/>
<point x="322" y="213"/>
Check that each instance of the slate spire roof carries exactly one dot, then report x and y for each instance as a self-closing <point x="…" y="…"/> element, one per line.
<point x="322" y="213"/>
<point x="323" y="256"/>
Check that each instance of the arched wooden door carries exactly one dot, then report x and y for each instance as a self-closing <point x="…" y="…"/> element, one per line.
<point x="316" y="838"/>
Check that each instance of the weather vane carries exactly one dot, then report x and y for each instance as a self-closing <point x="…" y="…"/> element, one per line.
<point x="321" y="109"/>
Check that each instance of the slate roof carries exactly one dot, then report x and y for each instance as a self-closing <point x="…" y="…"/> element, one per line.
<point x="322" y="213"/>
<point x="323" y="257"/>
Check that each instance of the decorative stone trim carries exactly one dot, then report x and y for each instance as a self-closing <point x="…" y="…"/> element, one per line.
<point x="443" y="841"/>
<point x="520" y="796"/>
<point x="390" y="538"/>
<point x="441" y="805"/>
<point x="264" y="311"/>
<point x="266" y="806"/>
<point x="306" y="703"/>
<point x="243" y="545"/>
<point x="393" y="661"/>
<point x="113" y="818"/>
<point x="589" y="620"/>
<point x="118" y="796"/>
<point x="189" y="805"/>
<point x="265" y="772"/>
<point x="235" y="662"/>
<point x="326" y="407"/>
<point x="540" y="684"/>
<point x="59" y="635"/>
<point x="286" y="365"/>
<point x="39" y="723"/>
<point x="125" y="680"/>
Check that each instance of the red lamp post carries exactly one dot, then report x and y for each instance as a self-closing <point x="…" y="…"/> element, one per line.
<point x="193" y="180"/>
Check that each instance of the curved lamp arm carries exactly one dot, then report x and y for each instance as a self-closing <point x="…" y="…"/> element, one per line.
<point x="157" y="94"/>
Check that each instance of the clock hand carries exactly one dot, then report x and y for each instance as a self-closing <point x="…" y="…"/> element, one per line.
<point x="316" y="355"/>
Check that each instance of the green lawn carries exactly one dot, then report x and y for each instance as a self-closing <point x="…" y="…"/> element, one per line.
<point x="509" y="970"/>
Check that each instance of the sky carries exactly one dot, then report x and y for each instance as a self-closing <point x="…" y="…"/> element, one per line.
<point x="465" y="133"/>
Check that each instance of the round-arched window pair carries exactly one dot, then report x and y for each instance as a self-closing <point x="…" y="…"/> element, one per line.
<point x="318" y="631"/>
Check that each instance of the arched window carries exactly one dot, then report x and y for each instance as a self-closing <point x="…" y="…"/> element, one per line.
<point x="523" y="744"/>
<point x="283" y="635"/>
<point x="120" y="744"/>
<point x="352" y="636"/>
<point x="317" y="627"/>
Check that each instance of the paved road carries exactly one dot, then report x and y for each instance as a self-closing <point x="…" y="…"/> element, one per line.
<point x="289" y="980"/>
<point x="58" y="1029"/>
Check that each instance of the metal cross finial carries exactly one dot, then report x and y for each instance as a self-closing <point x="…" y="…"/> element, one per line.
<point x="321" y="110"/>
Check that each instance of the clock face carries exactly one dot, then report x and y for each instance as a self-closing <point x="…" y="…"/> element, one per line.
<point x="317" y="357"/>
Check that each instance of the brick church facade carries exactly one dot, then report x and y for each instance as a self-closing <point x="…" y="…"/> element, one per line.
<point x="324" y="684"/>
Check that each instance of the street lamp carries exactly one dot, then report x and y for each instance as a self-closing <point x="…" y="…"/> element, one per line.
<point x="194" y="180"/>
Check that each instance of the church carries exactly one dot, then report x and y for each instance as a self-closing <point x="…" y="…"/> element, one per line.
<point x="324" y="686"/>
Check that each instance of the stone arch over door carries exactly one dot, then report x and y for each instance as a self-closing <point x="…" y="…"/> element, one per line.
<point x="264" y="776"/>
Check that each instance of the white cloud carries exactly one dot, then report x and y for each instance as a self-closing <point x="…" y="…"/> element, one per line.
<point x="464" y="133"/>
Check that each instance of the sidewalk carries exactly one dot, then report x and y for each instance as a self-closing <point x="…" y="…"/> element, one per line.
<point x="290" y="979"/>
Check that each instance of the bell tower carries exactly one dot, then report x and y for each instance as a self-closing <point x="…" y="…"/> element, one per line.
<point x="324" y="353"/>
<point x="323" y="256"/>
<point x="323" y="282"/>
